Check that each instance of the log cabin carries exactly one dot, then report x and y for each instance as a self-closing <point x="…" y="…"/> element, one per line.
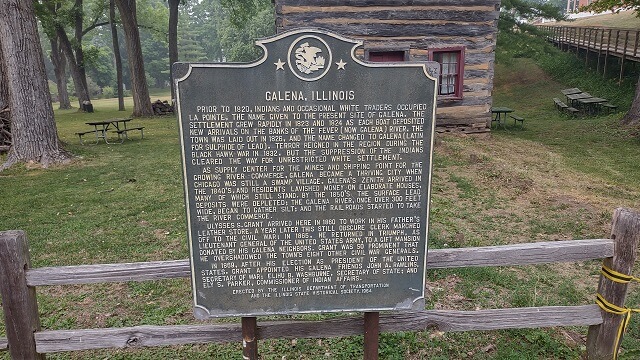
<point x="458" y="34"/>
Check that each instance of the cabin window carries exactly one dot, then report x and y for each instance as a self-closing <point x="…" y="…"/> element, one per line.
<point x="386" y="56"/>
<point x="451" y="62"/>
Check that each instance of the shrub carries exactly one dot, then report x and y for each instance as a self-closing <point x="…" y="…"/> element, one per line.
<point x="108" y="92"/>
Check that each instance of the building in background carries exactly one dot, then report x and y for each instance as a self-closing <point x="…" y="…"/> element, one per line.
<point x="459" y="34"/>
<point x="573" y="6"/>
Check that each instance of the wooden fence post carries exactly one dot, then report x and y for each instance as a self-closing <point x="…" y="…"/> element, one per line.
<point x="600" y="50"/>
<point x="18" y="300"/>
<point x="606" y="55"/>
<point x="586" y="48"/>
<point x="624" y="56"/>
<point x="625" y="231"/>
<point x="371" y="335"/>
<point x="249" y="338"/>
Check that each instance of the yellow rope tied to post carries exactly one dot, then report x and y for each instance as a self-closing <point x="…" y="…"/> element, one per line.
<point x="615" y="309"/>
<point x="616" y="276"/>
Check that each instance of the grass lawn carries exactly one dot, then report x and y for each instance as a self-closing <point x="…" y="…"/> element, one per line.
<point x="623" y="20"/>
<point x="559" y="178"/>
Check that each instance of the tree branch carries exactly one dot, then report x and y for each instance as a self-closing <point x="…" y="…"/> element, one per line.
<point x="96" y="25"/>
<point x="93" y="26"/>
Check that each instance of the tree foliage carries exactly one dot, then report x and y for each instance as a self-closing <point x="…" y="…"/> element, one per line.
<point x="240" y="11"/>
<point x="153" y="17"/>
<point x="514" y="14"/>
<point x="62" y="17"/>
<point x="99" y="65"/>
<point x="613" y="5"/>
<point x="208" y="31"/>
<point x="560" y="4"/>
<point x="224" y="30"/>
<point x="201" y="23"/>
<point x="238" y="39"/>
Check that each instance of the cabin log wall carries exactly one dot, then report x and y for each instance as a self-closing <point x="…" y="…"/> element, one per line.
<point x="417" y="25"/>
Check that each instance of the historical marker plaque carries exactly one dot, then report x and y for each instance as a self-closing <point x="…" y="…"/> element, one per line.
<point x="307" y="179"/>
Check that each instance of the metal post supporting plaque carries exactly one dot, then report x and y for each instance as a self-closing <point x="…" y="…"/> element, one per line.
<point x="307" y="179"/>
<point x="249" y="339"/>
<point x="371" y="335"/>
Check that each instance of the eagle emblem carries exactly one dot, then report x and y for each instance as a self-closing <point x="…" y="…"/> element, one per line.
<point x="307" y="59"/>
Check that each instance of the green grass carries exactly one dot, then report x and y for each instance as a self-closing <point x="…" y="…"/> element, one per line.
<point x="609" y="147"/>
<point x="623" y="20"/>
<point x="559" y="178"/>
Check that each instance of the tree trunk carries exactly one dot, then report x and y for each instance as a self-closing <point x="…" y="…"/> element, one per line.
<point x="633" y="116"/>
<point x="79" y="14"/>
<point x="33" y="127"/>
<point x="81" y="91"/>
<point x="64" y="44"/>
<point x="4" y="85"/>
<point x="5" y="118"/>
<point x="173" y="41"/>
<point x="139" y="89"/>
<point x="116" y="54"/>
<point x="60" y="68"/>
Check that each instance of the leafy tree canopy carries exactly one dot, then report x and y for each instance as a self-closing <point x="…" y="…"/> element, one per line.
<point x="153" y="16"/>
<point x="242" y="10"/>
<point x="99" y="65"/>
<point x="560" y="4"/>
<point x="514" y="14"/>
<point x="613" y="5"/>
<point x="224" y="30"/>
<point x="238" y="40"/>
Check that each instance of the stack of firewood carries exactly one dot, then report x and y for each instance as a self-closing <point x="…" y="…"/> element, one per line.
<point x="5" y="130"/>
<point x="162" y="107"/>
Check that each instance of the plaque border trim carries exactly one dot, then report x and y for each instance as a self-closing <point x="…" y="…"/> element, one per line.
<point x="418" y="303"/>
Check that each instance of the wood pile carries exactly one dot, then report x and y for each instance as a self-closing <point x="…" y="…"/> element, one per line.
<point x="162" y="107"/>
<point x="5" y="130"/>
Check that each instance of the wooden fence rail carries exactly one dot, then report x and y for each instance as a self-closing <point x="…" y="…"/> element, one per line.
<point x="442" y="320"/>
<point x="602" y="41"/>
<point x="616" y="41"/>
<point x="619" y="252"/>
<point x="519" y="254"/>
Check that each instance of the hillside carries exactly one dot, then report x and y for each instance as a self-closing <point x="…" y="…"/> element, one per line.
<point x="623" y="20"/>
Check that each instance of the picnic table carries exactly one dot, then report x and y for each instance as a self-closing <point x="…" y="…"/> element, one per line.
<point x="582" y="102"/>
<point x="572" y="98"/>
<point x="118" y="126"/>
<point x="591" y="105"/>
<point x="570" y="91"/>
<point x="500" y="115"/>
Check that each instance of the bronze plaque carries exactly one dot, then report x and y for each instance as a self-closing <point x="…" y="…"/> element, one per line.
<point x="307" y="178"/>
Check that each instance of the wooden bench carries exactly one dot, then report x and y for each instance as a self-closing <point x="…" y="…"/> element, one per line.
<point x="572" y="110"/>
<point x="559" y="104"/>
<point x="517" y="119"/>
<point x="80" y="134"/>
<point x="126" y="135"/>
<point x="609" y="107"/>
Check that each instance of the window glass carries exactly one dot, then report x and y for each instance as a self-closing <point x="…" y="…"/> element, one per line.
<point x="386" y="56"/>
<point x="451" y="65"/>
